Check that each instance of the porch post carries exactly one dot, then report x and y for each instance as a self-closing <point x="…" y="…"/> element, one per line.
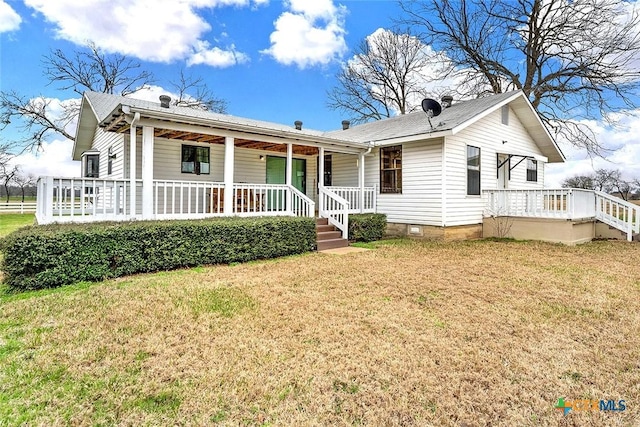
<point x="361" y="181"/>
<point x="147" y="172"/>
<point x="320" y="177"/>
<point x="289" y="172"/>
<point x="229" y="147"/>
<point x="132" y="170"/>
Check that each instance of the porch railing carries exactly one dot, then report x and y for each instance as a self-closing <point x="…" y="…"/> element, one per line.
<point x="91" y="200"/>
<point x="352" y="195"/>
<point x="335" y="209"/>
<point x="82" y="200"/>
<point x="565" y="203"/>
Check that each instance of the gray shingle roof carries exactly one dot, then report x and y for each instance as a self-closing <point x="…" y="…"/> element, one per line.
<point x="104" y="104"/>
<point x="416" y="123"/>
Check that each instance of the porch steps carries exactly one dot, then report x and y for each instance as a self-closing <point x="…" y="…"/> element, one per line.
<point x="327" y="237"/>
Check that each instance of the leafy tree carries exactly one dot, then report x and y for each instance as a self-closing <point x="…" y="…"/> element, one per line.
<point x="388" y="75"/>
<point x="606" y="180"/>
<point x="579" y="181"/>
<point x="575" y="60"/>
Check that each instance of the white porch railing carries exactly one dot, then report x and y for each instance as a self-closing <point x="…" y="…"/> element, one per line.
<point x="92" y="200"/>
<point x="352" y="195"/>
<point x="565" y="203"/>
<point x="335" y="209"/>
<point x="82" y="200"/>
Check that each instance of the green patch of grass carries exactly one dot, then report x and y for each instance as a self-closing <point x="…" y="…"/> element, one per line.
<point x="226" y="302"/>
<point x="11" y="222"/>
<point x="160" y="402"/>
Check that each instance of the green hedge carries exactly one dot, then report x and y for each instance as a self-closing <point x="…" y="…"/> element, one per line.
<point x="367" y="227"/>
<point x="48" y="256"/>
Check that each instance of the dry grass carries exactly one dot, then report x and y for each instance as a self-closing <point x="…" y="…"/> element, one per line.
<point x="477" y="333"/>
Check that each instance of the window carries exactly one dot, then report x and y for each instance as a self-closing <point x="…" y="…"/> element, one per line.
<point x="532" y="170"/>
<point x="391" y="169"/>
<point x="505" y="114"/>
<point x="327" y="170"/>
<point x="92" y="166"/>
<point x="473" y="171"/>
<point x="195" y="159"/>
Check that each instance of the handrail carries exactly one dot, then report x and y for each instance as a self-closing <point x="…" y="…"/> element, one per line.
<point x="352" y="195"/>
<point x="618" y="213"/>
<point x="301" y="205"/>
<point x="335" y="209"/>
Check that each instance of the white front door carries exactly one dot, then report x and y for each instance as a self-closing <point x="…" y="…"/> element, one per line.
<point x="504" y="164"/>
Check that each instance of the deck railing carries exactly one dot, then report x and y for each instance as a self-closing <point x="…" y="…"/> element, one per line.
<point x="335" y="209"/>
<point x="352" y="195"/>
<point x="565" y="203"/>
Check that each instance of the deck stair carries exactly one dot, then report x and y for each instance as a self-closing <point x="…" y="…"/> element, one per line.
<point x="328" y="237"/>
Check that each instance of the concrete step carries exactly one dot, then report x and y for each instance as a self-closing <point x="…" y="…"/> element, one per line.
<point x="328" y="235"/>
<point x="332" y="244"/>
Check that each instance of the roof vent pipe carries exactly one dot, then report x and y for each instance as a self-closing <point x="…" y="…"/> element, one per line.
<point x="446" y="101"/>
<point x="165" y="100"/>
<point x="345" y="124"/>
<point x="298" y="124"/>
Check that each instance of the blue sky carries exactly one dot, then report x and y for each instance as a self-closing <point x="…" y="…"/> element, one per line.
<point x="270" y="59"/>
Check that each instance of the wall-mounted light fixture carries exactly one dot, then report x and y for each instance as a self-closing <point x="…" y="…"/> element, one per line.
<point x="110" y="153"/>
<point x="261" y="158"/>
<point x="504" y="141"/>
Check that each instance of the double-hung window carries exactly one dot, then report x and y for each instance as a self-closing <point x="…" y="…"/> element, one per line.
<point x="195" y="159"/>
<point x="473" y="170"/>
<point x="391" y="169"/>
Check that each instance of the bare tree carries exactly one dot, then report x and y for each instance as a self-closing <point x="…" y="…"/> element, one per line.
<point x="38" y="117"/>
<point x="24" y="182"/>
<point x="7" y="170"/>
<point x="387" y="75"/>
<point x="579" y="181"/>
<point x="575" y="59"/>
<point x="194" y="93"/>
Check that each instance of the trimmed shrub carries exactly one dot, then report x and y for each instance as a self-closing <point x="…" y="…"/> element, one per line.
<point x="367" y="227"/>
<point x="54" y="255"/>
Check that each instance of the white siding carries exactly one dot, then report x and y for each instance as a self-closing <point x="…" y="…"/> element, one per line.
<point x="421" y="196"/>
<point x="102" y="141"/>
<point x="487" y="134"/>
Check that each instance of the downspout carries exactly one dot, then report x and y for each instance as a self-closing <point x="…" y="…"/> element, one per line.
<point x="132" y="159"/>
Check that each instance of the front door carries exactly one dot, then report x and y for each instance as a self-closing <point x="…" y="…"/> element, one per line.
<point x="277" y="172"/>
<point x="503" y="171"/>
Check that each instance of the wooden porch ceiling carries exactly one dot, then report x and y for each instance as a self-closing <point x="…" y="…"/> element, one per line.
<point x="241" y="143"/>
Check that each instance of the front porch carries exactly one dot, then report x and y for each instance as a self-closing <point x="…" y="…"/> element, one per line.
<point x="566" y="214"/>
<point x="65" y="200"/>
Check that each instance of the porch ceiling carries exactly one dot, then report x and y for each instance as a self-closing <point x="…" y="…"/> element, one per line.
<point x="239" y="142"/>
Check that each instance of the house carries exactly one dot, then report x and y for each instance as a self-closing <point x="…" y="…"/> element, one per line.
<point x="445" y="176"/>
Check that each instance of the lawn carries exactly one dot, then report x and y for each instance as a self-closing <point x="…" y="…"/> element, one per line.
<point x="408" y="333"/>
<point x="10" y="222"/>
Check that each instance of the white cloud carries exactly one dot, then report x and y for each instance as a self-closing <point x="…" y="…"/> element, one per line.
<point x="311" y="33"/>
<point x="9" y="19"/>
<point x="152" y="30"/>
<point x="216" y="57"/>
<point x="622" y="142"/>
<point x="53" y="159"/>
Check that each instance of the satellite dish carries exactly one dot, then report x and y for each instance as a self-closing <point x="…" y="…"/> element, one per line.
<point x="432" y="108"/>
